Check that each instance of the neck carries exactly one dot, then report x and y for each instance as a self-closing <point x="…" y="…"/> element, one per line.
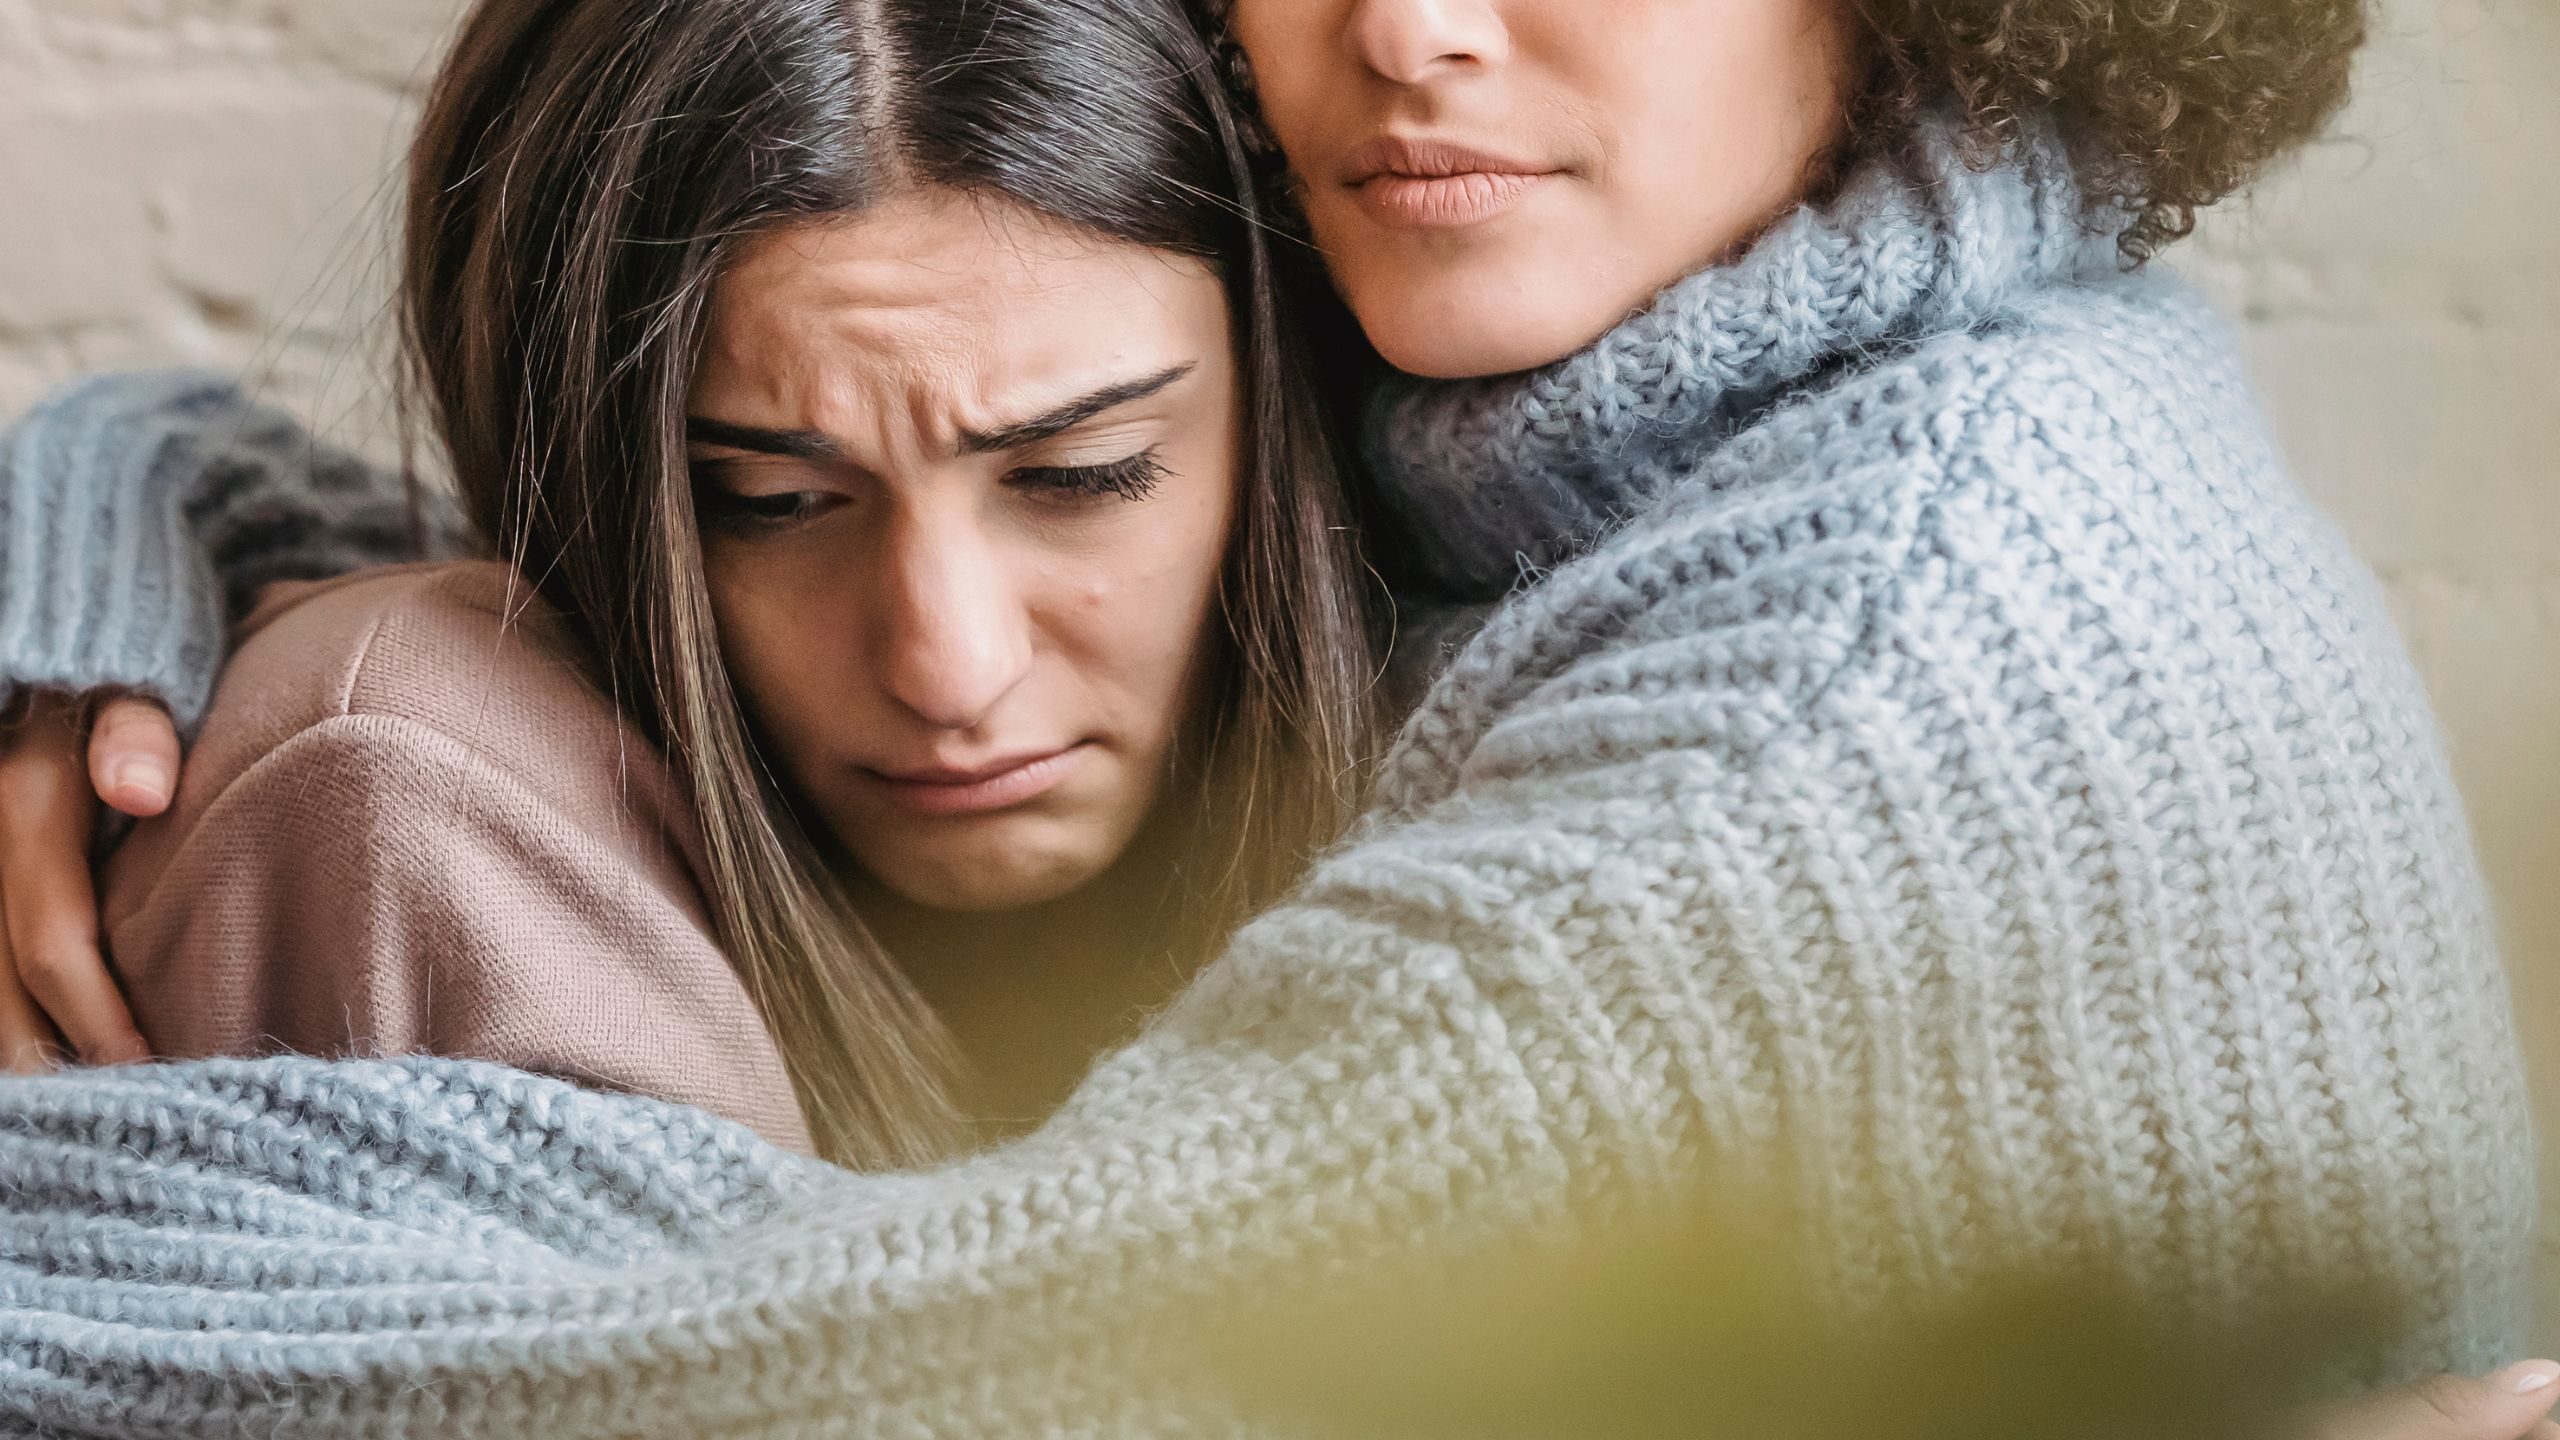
<point x="1493" y="480"/>
<point x="1032" y="995"/>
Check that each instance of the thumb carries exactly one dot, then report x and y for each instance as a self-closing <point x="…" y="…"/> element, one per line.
<point x="133" y="755"/>
<point x="2508" y="1405"/>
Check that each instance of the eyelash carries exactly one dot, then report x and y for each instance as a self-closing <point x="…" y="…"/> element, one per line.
<point x="1133" y="478"/>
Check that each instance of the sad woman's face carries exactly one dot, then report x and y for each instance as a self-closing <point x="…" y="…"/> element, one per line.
<point x="965" y="479"/>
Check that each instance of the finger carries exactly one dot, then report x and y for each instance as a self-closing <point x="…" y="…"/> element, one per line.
<point x="53" y="931"/>
<point x="26" y="1042"/>
<point x="133" y="756"/>
<point x="48" y="905"/>
<point x="2507" y="1405"/>
<point x="2528" y="1388"/>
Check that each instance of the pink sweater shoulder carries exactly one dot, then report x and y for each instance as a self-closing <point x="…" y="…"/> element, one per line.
<point x="412" y="825"/>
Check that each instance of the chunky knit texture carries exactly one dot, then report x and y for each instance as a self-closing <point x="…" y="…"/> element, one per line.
<point x="1962" y="779"/>
<point x="123" y="497"/>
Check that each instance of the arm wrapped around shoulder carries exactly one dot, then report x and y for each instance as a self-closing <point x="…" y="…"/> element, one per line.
<point x="2009" y="828"/>
<point x="142" y="511"/>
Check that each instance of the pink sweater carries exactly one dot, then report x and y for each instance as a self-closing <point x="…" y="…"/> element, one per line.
<point x="412" y="825"/>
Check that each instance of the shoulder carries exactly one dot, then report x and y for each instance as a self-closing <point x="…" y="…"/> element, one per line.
<point x="2131" y="359"/>
<point x="414" y="824"/>
<point x="466" y="648"/>
<point x="2117" y="410"/>
<point x="375" y="886"/>
<point x="2106" y="457"/>
<point x="416" y="696"/>
<point x="458" y="657"/>
<point x="2110" y="363"/>
<point x="1997" y="479"/>
<point x="1844" y="475"/>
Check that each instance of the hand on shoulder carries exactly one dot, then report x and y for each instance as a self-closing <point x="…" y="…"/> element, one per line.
<point x="54" y="982"/>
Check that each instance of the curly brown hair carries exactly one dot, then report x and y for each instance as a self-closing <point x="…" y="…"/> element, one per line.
<point x="2169" y="105"/>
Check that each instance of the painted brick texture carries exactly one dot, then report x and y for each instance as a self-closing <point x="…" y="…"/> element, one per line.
<point x="211" y="181"/>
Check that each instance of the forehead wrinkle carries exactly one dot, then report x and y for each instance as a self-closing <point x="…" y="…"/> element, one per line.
<point x="901" y="334"/>
<point x="874" y="376"/>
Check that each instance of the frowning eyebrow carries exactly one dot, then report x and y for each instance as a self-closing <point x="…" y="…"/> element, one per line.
<point x="815" y="445"/>
<point x="792" y="444"/>
<point x="1063" y="418"/>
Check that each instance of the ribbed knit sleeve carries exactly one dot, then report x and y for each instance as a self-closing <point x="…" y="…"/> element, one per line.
<point x="140" y="512"/>
<point x="1983" y="800"/>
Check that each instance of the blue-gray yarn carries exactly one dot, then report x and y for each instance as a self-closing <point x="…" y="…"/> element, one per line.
<point x="139" y="513"/>
<point x="1964" y="780"/>
<point x="1586" y="443"/>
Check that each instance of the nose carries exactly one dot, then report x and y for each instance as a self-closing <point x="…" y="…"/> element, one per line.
<point x="1412" y="42"/>
<point x="954" y="639"/>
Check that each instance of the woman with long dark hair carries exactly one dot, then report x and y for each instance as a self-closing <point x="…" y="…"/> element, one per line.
<point x="1925" y="757"/>
<point x="1060" y="655"/>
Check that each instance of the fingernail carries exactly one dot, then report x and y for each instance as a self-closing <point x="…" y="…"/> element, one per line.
<point x="2527" y="1376"/>
<point x="148" y="776"/>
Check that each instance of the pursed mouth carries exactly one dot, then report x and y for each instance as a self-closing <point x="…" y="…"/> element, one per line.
<point x="1413" y="183"/>
<point x="1415" y="158"/>
<point x="980" y="789"/>
<point x="1440" y="202"/>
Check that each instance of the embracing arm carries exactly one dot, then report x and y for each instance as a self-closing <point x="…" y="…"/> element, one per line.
<point x="1465" y="1016"/>
<point x="139" y="513"/>
<point x="1808" y="827"/>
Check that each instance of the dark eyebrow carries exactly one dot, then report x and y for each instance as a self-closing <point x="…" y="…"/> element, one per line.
<point x="1058" y="421"/>
<point x="791" y="444"/>
<point x="813" y="445"/>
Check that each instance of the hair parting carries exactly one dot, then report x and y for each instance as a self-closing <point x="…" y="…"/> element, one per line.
<point x="585" y="170"/>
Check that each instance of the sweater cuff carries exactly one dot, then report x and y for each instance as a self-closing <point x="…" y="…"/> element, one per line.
<point x="103" y="584"/>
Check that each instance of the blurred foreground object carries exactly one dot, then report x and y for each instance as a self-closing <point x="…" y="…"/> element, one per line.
<point x="1699" y="1323"/>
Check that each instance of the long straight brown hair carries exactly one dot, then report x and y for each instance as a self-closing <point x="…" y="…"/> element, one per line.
<point x="582" y="173"/>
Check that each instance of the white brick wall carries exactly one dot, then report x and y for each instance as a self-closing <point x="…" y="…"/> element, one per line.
<point x="205" y="180"/>
<point x="208" y="180"/>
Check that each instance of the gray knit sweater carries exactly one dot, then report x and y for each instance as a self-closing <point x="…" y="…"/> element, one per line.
<point x="1940" y="761"/>
<point x="140" y="513"/>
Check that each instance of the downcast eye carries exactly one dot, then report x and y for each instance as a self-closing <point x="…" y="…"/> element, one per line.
<point x="722" y="508"/>
<point x="1134" y="478"/>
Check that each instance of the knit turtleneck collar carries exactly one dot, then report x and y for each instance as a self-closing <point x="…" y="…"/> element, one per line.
<point x="1520" y="472"/>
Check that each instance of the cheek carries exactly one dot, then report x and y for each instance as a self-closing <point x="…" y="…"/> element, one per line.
<point x="1274" y="34"/>
<point x="1294" y="51"/>
<point x="772" y="643"/>
<point x="1738" y="138"/>
<point x="1140" y="610"/>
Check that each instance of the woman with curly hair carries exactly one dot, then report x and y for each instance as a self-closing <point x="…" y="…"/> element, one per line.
<point x="1902" y="739"/>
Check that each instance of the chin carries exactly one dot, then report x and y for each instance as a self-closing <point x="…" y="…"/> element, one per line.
<point x="1492" y="315"/>
<point x="1004" y="872"/>
<point x="1435" y="352"/>
<point x="976" y="890"/>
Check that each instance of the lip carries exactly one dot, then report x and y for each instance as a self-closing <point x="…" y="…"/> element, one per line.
<point x="939" y="790"/>
<point x="1422" y="184"/>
